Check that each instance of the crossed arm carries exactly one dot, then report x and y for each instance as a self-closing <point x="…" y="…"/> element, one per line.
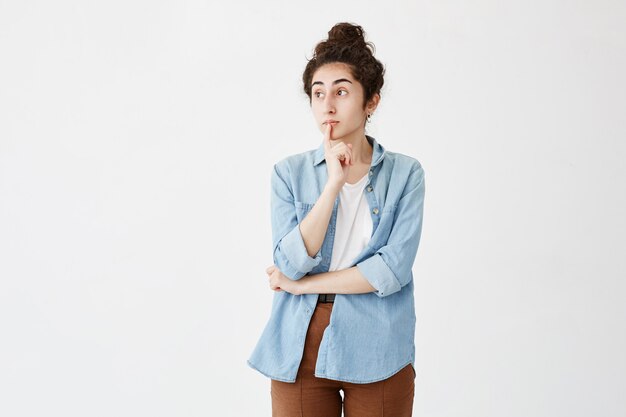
<point x="345" y="281"/>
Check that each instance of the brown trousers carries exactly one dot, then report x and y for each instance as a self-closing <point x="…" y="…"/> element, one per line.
<point x="310" y="396"/>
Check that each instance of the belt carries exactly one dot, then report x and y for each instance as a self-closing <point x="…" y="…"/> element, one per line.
<point x="326" y="298"/>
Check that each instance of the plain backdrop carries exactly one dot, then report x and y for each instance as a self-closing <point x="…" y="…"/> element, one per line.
<point x="136" y="144"/>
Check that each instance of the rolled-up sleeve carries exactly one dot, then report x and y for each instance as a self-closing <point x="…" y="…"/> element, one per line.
<point x="390" y="268"/>
<point x="289" y="253"/>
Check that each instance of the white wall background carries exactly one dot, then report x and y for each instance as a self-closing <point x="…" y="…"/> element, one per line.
<point x="136" y="143"/>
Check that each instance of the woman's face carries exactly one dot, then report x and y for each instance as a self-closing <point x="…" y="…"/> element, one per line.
<point x="337" y="96"/>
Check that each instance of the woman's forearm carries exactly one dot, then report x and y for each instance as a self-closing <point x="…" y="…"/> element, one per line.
<point x="313" y="227"/>
<point x="345" y="281"/>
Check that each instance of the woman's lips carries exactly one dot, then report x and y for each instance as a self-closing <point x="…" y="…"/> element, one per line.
<point x="334" y="122"/>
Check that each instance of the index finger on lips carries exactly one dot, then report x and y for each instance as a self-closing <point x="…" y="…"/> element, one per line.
<point x="329" y="128"/>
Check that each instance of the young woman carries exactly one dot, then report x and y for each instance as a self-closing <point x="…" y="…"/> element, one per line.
<point x="346" y="225"/>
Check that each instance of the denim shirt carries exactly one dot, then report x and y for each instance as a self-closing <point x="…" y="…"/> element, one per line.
<point x="370" y="336"/>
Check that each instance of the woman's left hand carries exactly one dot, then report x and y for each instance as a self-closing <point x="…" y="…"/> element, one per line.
<point x="280" y="282"/>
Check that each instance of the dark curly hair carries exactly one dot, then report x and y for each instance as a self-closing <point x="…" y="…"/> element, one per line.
<point x="346" y="44"/>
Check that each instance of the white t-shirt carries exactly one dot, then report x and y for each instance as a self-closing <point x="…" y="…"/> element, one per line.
<point x="353" y="226"/>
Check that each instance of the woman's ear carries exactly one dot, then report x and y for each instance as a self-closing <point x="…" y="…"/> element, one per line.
<point x="373" y="103"/>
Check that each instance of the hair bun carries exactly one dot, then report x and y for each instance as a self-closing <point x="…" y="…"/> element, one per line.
<point x="346" y="33"/>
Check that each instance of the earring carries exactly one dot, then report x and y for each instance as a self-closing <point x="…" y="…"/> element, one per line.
<point x="369" y="117"/>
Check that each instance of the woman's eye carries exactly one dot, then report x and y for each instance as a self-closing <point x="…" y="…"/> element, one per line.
<point x="342" y="91"/>
<point x="317" y="93"/>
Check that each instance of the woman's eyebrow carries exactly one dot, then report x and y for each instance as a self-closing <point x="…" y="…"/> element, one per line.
<point x="334" y="82"/>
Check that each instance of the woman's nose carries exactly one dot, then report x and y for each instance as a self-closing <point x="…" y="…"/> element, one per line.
<point x="329" y="105"/>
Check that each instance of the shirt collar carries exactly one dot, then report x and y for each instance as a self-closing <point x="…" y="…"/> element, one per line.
<point x="377" y="155"/>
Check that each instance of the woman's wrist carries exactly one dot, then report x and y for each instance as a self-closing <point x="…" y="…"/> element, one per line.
<point x="332" y="188"/>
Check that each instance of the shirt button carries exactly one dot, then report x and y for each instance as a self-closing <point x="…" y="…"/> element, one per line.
<point x="369" y="188"/>
<point x="370" y="173"/>
<point x="375" y="211"/>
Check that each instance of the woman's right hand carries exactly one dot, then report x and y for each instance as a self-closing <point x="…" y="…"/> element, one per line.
<point x="338" y="159"/>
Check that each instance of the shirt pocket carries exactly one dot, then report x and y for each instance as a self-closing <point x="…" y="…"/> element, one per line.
<point x="302" y="209"/>
<point x="385" y="225"/>
<point x="390" y="209"/>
